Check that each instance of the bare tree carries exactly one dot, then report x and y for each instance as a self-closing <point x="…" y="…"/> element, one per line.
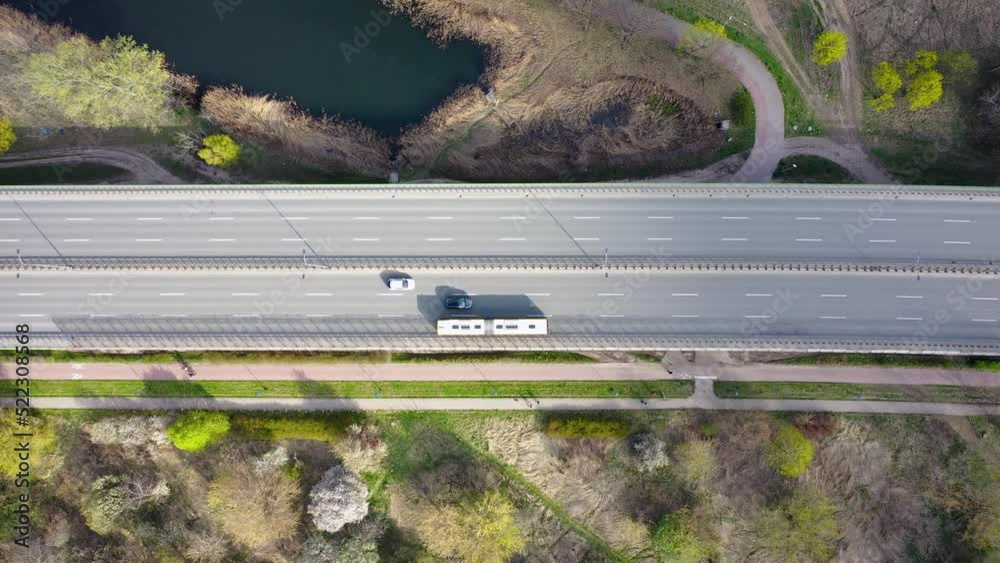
<point x="631" y="19"/>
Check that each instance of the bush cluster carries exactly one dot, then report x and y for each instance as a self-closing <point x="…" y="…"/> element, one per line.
<point x="196" y="430"/>
<point x="578" y="427"/>
<point x="325" y="428"/>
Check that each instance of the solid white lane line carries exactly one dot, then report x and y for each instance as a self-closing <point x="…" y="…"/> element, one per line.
<point x="319" y="294"/>
<point x="808" y="240"/>
<point x="390" y="316"/>
<point x="884" y="219"/>
<point x="734" y="240"/>
<point x="76" y="240"/>
<point x="684" y="295"/>
<point x="985" y="298"/>
<point x="685" y="316"/>
<point x="514" y="217"/>
<point x="760" y="295"/>
<point x="173" y="315"/>
<point x="293" y="240"/>
<point x="30" y="294"/>
<point x="440" y="218"/>
<point x="244" y="294"/>
<point x="909" y="318"/>
<point x="660" y="217"/>
<point x="735" y="218"/>
<point x="808" y="218"/>
<point x="246" y="316"/>
<point x="889" y="241"/>
<point x="317" y="316"/>
<point x="833" y="318"/>
<point x="222" y="218"/>
<point x="586" y="238"/>
<point x="99" y="315"/>
<point x="439" y="239"/>
<point x="659" y="239"/>
<point x="611" y="295"/>
<point x="149" y="218"/>
<point x="366" y="240"/>
<point x="909" y="297"/>
<point x="221" y="240"/>
<point x="957" y="242"/>
<point x="173" y="294"/>
<point x="834" y="295"/>
<point x="984" y="320"/>
<point x="957" y="220"/>
<point x="79" y="218"/>
<point x="148" y="240"/>
<point x="511" y="239"/>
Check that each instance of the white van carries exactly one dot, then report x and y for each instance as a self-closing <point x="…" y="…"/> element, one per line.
<point x="401" y="284"/>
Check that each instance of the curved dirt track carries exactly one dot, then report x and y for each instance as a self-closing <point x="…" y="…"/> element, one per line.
<point x="145" y="170"/>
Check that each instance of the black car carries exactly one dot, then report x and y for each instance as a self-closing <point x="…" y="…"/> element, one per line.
<point x="458" y="302"/>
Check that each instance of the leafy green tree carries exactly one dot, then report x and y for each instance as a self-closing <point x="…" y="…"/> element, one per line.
<point x="196" y="430"/>
<point x="886" y="78"/>
<point x="925" y="90"/>
<point x="695" y="462"/>
<point x="220" y="150"/>
<point x="800" y="530"/>
<point x="922" y="60"/>
<point x="481" y="529"/>
<point x="7" y="136"/>
<point x="790" y="452"/>
<point x="114" y="83"/>
<point x="712" y="27"/>
<point x="883" y="102"/>
<point x="960" y="66"/>
<point x="829" y="47"/>
<point x="680" y="539"/>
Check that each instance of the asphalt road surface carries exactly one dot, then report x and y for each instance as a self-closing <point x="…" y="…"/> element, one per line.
<point x="452" y="224"/>
<point x="935" y="308"/>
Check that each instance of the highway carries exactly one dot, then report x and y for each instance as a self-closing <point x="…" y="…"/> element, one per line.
<point x="774" y="305"/>
<point x="464" y="222"/>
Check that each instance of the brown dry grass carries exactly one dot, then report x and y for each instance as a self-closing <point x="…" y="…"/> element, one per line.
<point x="573" y="96"/>
<point x="329" y="143"/>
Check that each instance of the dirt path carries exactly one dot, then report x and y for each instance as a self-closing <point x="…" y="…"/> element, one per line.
<point x="851" y="156"/>
<point x="144" y="169"/>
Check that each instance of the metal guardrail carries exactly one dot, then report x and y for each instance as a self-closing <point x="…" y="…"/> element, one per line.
<point x="512" y="263"/>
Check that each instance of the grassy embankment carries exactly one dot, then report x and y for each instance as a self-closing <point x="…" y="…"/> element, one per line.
<point x="358" y="389"/>
<point x="855" y="392"/>
<point x="897" y="361"/>
<point x="812" y="169"/>
<point x="208" y="357"/>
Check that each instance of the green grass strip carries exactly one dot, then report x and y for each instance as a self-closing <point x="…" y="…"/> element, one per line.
<point x="855" y="392"/>
<point x="357" y="389"/>
<point x="898" y="361"/>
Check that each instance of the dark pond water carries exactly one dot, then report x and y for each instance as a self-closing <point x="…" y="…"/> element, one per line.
<point x="340" y="57"/>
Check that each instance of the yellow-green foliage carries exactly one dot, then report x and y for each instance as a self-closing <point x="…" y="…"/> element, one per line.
<point x="922" y="60"/>
<point x="578" y="427"/>
<point x="711" y="26"/>
<point x="961" y="66"/>
<point x="43" y="440"/>
<point x="7" y="136"/>
<point x="326" y="428"/>
<point x="790" y="453"/>
<point x="925" y="89"/>
<point x="883" y="102"/>
<point x="114" y="83"/>
<point x="801" y="529"/>
<point x="887" y="80"/>
<point x="220" y="150"/>
<point x="196" y="430"/>
<point x="679" y="539"/>
<point x="481" y="529"/>
<point x="829" y="47"/>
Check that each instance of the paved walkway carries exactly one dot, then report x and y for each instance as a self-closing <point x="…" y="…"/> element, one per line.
<point x="703" y="399"/>
<point x="505" y="372"/>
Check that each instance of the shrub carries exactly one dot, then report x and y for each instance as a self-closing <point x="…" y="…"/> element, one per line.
<point x="925" y="90"/>
<point x="695" y="463"/>
<point x="711" y="26"/>
<point x="481" y="529"/>
<point x="196" y="430"/>
<point x="321" y="428"/>
<point x="829" y="47"/>
<point x="43" y="440"/>
<point x="742" y="109"/>
<point x="960" y="65"/>
<point x="7" y="136"/>
<point x="132" y="431"/>
<point x="921" y="61"/>
<point x="340" y="498"/>
<point x="586" y="428"/>
<point x="650" y="453"/>
<point x="220" y="150"/>
<point x="790" y="452"/>
<point x="114" y="83"/>
<point x="886" y="78"/>
<point x="255" y="508"/>
<point x="801" y="529"/>
<point x="363" y="450"/>
<point x="883" y="103"/>
<point x="678" y="539"/>
<point x="113" y="499"/>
